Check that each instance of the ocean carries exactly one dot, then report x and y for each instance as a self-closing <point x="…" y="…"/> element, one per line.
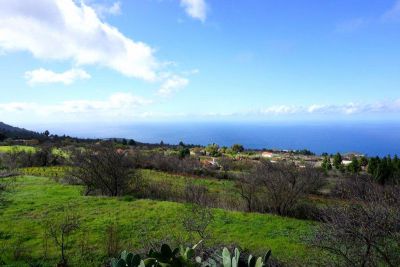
<point x="372" y="138"/>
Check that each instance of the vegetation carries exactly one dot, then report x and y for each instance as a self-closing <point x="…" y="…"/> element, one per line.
<point x="34" y="198"/>
<point x="144" y="195"/>
<point x="186" y="257"/>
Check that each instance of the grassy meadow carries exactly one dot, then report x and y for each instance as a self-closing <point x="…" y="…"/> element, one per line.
<point x="33" y="199"/>
<point x="6" y="149"/>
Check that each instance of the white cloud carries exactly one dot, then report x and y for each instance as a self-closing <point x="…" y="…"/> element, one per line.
<point x="67" y="30"/>
<point x="172" y="84"/>
<point x="196" y="9"/>
<point x="47" y="76"/>
<point x="344" y="109"/>
<point x="116" y="104"/>
<point x="394" y="13"/>
<point x="282" y="109"/>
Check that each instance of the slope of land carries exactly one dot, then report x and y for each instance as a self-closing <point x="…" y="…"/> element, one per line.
<point x="34" y="199"/>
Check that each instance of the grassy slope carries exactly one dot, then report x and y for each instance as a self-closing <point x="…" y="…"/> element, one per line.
<point x="5" y="149"/>
<point x="33" y="196"/>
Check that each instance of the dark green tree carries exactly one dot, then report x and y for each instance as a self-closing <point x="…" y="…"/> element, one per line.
<point x="326" y="163"/>
<point x="2" y="137"/>
<point x="184" y="152"/>
<point x="237" y="148"/>
<point x="132" y="142"/>
<point x="354" y="166"/>
<point x="337" y="161"/>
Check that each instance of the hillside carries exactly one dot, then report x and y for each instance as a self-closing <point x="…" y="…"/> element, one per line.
<point x="17" y="133"/>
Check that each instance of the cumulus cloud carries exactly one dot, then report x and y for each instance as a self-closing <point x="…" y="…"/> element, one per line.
<point x="196" y="9"/>
<point x="172" y="84"/>
<point x="47" y="76"/>
<point x="344" y="109"/>
<point x="116" y="104"/>
<point x="68" y="30"/>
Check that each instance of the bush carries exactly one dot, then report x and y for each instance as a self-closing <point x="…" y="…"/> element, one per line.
<point x="103" y="170"/>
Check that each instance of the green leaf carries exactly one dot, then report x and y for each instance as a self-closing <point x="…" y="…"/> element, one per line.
<point x="129" y="258"/>
<point x="259" y="262"/>
<point x="136" y="260"/>
<point x="121" y="263"/>
<point x="123" y="255"/>
<point x="251" y="261"/>
<point x="114" y="262"/>
<point x="166" y="251"/>
<point x="226" y="258"/>
<point x="267" y="256"/>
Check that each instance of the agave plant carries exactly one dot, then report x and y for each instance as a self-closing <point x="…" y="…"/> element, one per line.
<point x="185" y="257"/>
<point x="236" y="261"/>
<point x="166" y="257"/>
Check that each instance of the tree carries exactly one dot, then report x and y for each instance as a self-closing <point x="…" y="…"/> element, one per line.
<point x="213" y="150"/>
<point x="326" y="164"/>
<point x="237" y="148"/>
<point x="124" y="142"/>
<point x="46" y="133"/>
<point x="103" y="169"/>
<point x="60" y="228"/>
<point x="197" y="219"/>
<point x="132" y="142"/>
<point x="249" y="186"/>
<point x="337" y="161"/>
<point x="286" y="184"/>
<point x="184" y="152"/>
<point x="364" y="232"/>
<point x="363" y="161"/>
<point x="2" y="137"/>
<point x="354" y="167"/>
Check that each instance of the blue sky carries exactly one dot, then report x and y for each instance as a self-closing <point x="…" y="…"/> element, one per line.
<point x="171" y="60"/>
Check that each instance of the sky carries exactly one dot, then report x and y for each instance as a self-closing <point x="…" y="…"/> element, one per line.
<point x="124" y="61"/>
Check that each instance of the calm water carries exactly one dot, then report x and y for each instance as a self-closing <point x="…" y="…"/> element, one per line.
<point x="369" y="138"/>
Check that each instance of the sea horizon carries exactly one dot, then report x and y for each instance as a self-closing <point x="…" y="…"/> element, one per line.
<point x="371" y="138"/>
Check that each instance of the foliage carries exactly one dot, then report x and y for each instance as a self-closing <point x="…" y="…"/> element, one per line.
<point x="180" y="257"/>
<point x="102" y="169"/>
<point x="213" y="150"/>
<point x="237" y="148"/>
<point x="366" y="231"/>
<point x="34" y="196"/>
<point x="326" y="163"/>
<point x="355" y="166"/>
<point x="385" y="170"/>
<point x="337" y="161"/>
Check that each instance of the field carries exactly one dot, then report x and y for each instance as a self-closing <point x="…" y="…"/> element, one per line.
<point x="5" y="149"/>
<point x="34" y="199"/>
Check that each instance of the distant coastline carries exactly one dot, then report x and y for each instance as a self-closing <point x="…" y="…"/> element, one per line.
<point x="372" y="139"/>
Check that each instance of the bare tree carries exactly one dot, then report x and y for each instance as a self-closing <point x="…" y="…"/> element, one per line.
<point x="197" y="194"/>
<point x="286" y="184"/>
<point x="60" y="228"/>
<point x="197" y="219"/>
<point x="102" y="169"/>
<point x="366" y="232"/>
<point x="249" y="186"/>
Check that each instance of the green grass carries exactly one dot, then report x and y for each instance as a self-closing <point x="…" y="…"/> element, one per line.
<point x="33" y="197"/>
<point x="214" y="185"/>
<point x="7" y="149"/>
<point x="54" y="172"/>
